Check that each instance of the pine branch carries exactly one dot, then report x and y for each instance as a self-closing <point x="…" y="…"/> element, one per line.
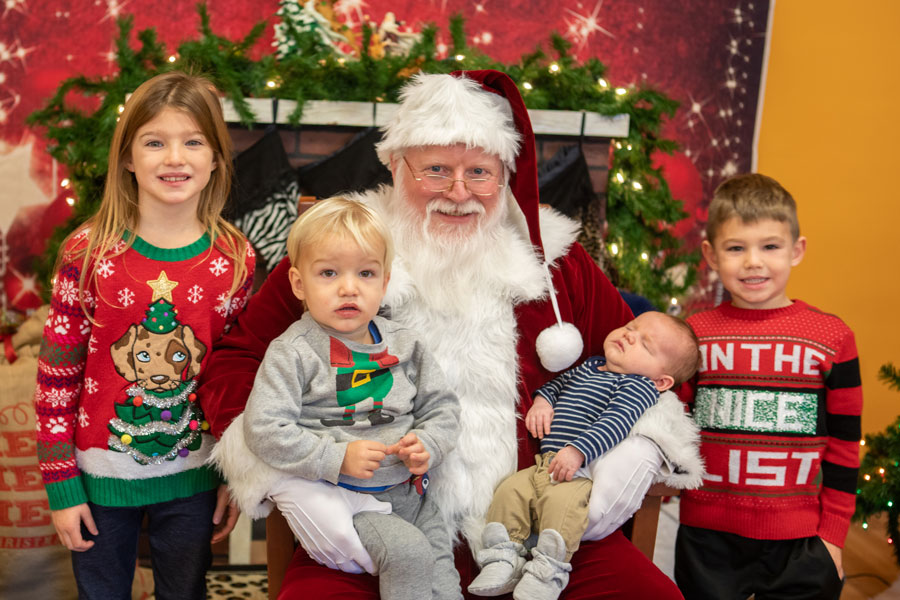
<point x="890" y="375"/>
<point x="651" y="260"/>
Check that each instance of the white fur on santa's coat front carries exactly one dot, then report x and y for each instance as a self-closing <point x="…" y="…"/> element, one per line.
<point x="249" y="478"/>
<point x="473" y="338"/>
<point x="678" y="437"/>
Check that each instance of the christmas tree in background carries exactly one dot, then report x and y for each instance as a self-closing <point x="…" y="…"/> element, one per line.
<point x="878" y="489"/>
<point x="157" y="425"/>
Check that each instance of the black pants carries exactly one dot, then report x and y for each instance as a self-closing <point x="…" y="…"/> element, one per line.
<point x="724" y="566"/>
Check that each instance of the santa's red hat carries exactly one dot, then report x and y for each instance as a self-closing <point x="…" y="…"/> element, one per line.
<point x="482" y="109"/>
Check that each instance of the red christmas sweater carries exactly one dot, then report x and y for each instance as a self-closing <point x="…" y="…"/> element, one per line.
<point x="116" y="401"/>
<point x="778" y="400"/>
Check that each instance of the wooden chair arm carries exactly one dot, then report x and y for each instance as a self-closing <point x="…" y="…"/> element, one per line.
<point x="279" y="550"/>
<point x="646" y="519"/>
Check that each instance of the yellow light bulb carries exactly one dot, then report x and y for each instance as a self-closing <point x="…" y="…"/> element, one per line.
<point x="645" y="256"/>
<point x="602" y="83"/>
<point x="621" y="91"/>
<point x="172" y="58"/>
<point x="614" y="249"/>
<point x="636" y="185"/>
<point x="619" y="177"/>
<point x="527" y="86"/>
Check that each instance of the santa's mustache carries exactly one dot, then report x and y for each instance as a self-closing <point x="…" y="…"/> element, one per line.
<point x="454" y="209"/>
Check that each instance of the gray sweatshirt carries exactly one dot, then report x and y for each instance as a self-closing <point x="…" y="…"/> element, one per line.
<point x="315" y="393"/>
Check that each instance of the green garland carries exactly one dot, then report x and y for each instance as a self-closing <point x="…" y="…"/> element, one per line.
<point x="640" y="205"/>
<point x="878" y="488"/>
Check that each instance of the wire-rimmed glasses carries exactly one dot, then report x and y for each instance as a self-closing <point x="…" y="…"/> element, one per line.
<point x="433" y="182"/>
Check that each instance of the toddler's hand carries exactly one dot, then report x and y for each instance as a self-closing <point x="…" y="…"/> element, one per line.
<point x="362" y="458"/>
<point x="565" y="463"/>
<point x="412" y="452"/>
<point x="67" y="522"/>
<point x="539" y="417"/>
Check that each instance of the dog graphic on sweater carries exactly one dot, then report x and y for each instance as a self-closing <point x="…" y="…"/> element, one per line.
<point x="158" y="362"/>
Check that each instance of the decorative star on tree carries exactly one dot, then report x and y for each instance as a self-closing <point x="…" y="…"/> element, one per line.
<point x="162" y="287"/>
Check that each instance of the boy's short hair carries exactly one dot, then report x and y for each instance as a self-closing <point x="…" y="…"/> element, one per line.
<point x="751" y="197"/>
<point x="688" y="362"/>
<point x="340" y="216"/>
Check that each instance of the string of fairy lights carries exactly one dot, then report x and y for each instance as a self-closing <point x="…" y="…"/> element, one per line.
<point x="878" y="486"/>
<point x="639" y="252"/>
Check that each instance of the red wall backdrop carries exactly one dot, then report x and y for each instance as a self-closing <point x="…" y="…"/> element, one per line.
<point x="708" y="54"/>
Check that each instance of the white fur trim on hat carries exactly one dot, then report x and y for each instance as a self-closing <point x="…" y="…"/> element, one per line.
<point x="442" y="110"/>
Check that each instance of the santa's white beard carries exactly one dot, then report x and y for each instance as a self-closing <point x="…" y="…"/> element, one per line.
<point x="458" y="290"/>
<point x="455" y="268"/>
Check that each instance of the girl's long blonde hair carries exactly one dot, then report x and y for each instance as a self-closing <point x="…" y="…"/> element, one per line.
<point x="118" y="211"/>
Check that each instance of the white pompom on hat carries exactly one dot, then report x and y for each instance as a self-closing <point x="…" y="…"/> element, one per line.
<point x="483" y="109"/>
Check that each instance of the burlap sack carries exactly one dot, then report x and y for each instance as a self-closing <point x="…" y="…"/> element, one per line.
<point x="33" y="564"/>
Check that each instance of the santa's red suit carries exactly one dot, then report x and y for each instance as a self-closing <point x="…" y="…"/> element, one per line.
<point x="484" y="339"/>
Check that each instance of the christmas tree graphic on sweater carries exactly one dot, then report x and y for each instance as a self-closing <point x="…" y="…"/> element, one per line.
<point x="160" y="418"/>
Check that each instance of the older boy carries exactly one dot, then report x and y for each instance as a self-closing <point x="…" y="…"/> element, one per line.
<point x="345" y="407"/>
<point x="578" y="416"/>
<point x="778" y="401"/>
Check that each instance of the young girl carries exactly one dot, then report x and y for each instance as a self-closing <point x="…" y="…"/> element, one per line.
<point x="141" y="292"/>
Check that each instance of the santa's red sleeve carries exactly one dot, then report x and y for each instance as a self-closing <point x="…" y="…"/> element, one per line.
<point x="236" y="356"/>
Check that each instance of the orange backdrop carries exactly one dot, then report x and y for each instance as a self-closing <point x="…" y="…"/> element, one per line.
<point x="829" y="133"/>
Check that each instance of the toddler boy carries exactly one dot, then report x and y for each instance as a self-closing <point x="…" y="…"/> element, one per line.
<point x="579" y="416"/>
<point x="778" y="402"/>
<point x="346" y="406"/>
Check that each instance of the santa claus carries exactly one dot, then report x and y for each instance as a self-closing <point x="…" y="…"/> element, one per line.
<point x="504" y="297"/>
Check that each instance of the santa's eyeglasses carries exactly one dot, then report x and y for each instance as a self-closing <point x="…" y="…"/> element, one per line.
<point x="435" y="182"/>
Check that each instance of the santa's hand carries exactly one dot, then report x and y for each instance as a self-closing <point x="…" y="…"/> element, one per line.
<point x="565" y="463"/>
<point x="539" y="417"/>
<point x="225" y="516"/>
<point x="412" y="452"/>
<point x="362" y="458"/>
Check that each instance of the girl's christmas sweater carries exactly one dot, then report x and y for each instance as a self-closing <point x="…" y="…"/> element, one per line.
<point x="116" y="401"/>
<point x="778" y="400"/>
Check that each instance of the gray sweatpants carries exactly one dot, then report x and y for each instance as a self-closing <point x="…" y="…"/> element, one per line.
<point x="410" y="547"/>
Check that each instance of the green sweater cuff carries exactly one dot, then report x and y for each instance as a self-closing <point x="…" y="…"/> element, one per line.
<point x="65" y="494"/>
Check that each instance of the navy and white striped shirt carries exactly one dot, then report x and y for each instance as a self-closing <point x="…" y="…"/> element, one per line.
<point x="594" y="410"/>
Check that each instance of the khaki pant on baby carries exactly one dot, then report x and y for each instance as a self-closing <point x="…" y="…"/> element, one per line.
<point x="529" y="501"/>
